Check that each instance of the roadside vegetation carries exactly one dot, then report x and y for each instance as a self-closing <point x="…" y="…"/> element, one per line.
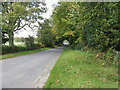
<point x="15" y="17"/>
<point x="91" y="29"/>
<point x="28" y="47"/>
<point x="21" y="53"/>
<point x="81" y="69"/>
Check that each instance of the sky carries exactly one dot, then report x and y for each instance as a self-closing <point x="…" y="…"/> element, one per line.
<point x="28" y="31"/>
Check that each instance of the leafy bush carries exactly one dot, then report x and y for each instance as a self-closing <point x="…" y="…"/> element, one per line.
<point x="29" y="41"/>
<point x="111" y="57"/>
<point x="39" y="45"/>
<point x="9" y="49"/>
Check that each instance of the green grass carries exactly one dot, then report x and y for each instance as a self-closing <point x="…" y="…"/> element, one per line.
<point x="78" y="69"/>
<point x="21" y="53"/>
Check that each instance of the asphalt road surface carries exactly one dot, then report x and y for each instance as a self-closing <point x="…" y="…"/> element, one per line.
<point x="24" y="71"/>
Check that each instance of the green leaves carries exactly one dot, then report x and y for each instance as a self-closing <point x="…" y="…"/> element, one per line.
<point x="16" y="15"/>
<point x="95" y="24"/>
<point x="70" y="33"/>
<point x="45" y="34"/>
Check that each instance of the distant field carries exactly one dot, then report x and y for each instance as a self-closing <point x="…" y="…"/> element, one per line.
<point x="17" y="43"/>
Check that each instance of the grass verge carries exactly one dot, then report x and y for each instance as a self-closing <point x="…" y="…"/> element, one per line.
<point x="78" y="69"/>
<point x="21" y="53"/>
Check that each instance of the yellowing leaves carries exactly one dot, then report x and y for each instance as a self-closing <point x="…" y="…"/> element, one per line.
<point x="54" y="29"/>
<point x="70" y="33"/>
<point x="78" y="40"/>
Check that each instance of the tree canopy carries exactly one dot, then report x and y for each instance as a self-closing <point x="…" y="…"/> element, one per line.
<point x="16" y="15"/>
<point x="92" y="24"/>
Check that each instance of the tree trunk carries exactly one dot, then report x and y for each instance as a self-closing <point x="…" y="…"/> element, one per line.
<point x="11" y="39"/>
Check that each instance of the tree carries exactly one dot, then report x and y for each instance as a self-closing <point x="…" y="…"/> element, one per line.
<point x="16" y="15"/>
<point x="46" y="35"/>
<point x="88" y="24"/>
<point x="64" y="19"/>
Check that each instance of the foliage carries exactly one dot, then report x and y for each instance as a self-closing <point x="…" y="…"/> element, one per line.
<point x="17" y="15"/>
<point x="21" y="53"/>
<point x="92" y="24"/>
<point x="9" y="49"/>
<point x="4" y="38"/>
<point x="14" y="49"/>
<point x="45" y="34"/>
<point x="29" y="42"/>
<point x="64" y="21"/>
<point x="111" y="57"/>
<point x="19" y="39"/>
